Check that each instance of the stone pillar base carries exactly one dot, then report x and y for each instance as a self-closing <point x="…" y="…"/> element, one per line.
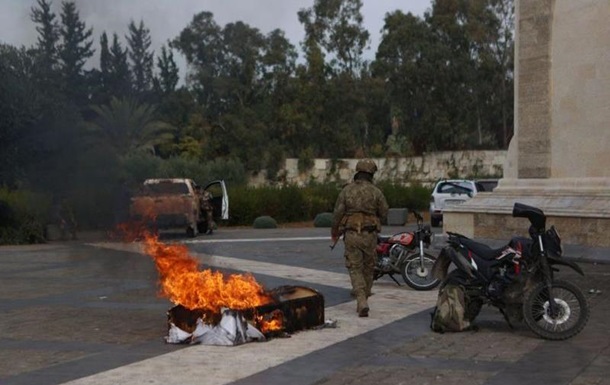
<point x="579" y="209"/>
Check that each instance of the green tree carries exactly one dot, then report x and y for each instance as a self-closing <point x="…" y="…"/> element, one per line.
<point x="105" y="56"/>
<point x="192" y="137"/>
<point x="74" y="50"/>
<point x="101" y="78"/>
<point x="311" y="98"/>
<point x="502" y="51"/>
<point x="337" y="25"/>
<point x="447" y="75"/>
<point x="141" y="57"/>
<point x="119" y="76"/>
<point x="232" y="81"/>
<point x="130" y="126"/>
<point x="241" y="64"/>
<point x="167" y="80"/>
<point x="334" y="30"/>
<point x="48" y="34"/>
<point x="201" y="44"/>
<point x="468" y="30"/>
<point x="277" y="90"/>
<point x="19" y="100"/>
<point x="408" y="60"/>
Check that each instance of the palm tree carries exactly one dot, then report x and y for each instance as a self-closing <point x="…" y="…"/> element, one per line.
<point x="131" y="126"/>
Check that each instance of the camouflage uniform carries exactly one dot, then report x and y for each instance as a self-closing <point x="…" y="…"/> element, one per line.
<point x="65" y="219"/>
<point x="208" y="209"/>
<point x="358" y="213"/>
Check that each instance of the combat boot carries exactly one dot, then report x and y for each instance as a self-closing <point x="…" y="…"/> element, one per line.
<point x="362" y="306"/>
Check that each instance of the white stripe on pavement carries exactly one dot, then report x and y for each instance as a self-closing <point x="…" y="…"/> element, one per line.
<point x="219" y="365"/>
<point x="251" y="266"/>
<point x="256" y="240"/>
<point x="320" y="277"/>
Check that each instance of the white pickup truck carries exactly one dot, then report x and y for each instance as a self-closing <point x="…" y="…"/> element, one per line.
<point x="176" y="203"/>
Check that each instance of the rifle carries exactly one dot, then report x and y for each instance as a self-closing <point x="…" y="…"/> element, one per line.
<point x="332" y="247"/>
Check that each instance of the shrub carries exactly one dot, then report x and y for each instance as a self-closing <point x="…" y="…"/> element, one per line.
<point x="180" y="167"/>
<point x="24" y="216"/>
<point x="283" y="203"/>
<point x="231" y="170"/>
<point x="264" y="222"/>
<point x="294" y="204"/>
<point x="138" y="166"/>
<point x="414" y="197"/>
<point x="319" y="198"/>
<point x="323" y="220"/>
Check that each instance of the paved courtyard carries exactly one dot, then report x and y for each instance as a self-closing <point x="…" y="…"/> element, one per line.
<point x="88" y="312"/>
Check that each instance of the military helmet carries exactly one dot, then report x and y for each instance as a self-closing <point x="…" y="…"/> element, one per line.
<point x="366" y="165"/>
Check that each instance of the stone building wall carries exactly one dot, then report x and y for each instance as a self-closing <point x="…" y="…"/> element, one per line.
<point x="425" y="169"/>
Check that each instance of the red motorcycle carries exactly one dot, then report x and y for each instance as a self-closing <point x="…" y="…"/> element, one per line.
<point x="405" y="253"/>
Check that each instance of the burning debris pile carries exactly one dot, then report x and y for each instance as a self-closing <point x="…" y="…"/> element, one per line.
<point x="215" y="309"/>
<point x="233" y="329"/>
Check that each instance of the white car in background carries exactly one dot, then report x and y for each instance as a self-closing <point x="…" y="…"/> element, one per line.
<point x="449" y="192"/>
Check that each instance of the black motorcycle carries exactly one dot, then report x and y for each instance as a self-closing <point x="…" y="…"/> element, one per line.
<point x="518" y="279"/>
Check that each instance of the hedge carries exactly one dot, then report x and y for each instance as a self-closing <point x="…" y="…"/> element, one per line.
<point x="297" y="204"/>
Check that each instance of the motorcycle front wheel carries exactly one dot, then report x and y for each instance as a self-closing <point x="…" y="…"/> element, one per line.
<point x="571" y="315"/>
<point x="417" y="275"/>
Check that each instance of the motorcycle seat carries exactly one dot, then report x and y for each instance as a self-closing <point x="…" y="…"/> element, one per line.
<point x="482" y="250"/>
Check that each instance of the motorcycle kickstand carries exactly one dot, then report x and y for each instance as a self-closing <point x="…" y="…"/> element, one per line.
<point x="394" y="279"/>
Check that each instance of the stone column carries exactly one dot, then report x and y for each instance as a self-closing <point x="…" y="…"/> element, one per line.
<point x="559" y="157"/>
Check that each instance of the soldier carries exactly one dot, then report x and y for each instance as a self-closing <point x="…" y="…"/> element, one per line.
<point x="208" y="209"/>
<point x="358" y="213"/>
<point x="64" y="217"/>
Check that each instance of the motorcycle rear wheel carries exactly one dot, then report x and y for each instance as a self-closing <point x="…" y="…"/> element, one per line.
<point x="417" y="276"/>
<point x="572" y="315"/>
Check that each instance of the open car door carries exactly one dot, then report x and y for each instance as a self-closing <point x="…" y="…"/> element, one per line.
<point x="220" y="198"/>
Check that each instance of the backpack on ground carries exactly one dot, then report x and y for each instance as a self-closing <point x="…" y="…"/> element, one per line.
<point x="449" y="313"/>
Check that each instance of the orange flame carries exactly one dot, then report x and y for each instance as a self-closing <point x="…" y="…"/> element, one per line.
<point x="270" y="322"/>
<point x="183" y="283"/>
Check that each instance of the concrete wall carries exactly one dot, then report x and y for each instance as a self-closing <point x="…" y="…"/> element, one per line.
<point x="425" y="169"/>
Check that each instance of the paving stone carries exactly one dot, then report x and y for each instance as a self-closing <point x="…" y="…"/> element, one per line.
<point x="71" y="310"/>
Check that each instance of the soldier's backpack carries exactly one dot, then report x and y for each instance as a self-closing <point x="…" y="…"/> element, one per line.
<point x="450" y="310"/>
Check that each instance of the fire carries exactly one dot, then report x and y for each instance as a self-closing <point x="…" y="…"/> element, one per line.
<point x="183" y="283"/>
<point x="270" y="322"/>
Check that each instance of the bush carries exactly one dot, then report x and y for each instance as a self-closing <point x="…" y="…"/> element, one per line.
<point x="138" y="166"/>
<point x="412" y="197"/>
<point x="319" y="198"/>
<point x="295" y="204"/>
<point x="179" y="167"/>
<point x="283" y="203"/>
<point x="323" y="220"/>
<point x="231" y="170"/>
<point x="264" y="222"/>
<point x="24" y="216"/>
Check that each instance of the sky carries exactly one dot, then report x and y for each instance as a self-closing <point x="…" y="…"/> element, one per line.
<point x="166" y="18"/>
